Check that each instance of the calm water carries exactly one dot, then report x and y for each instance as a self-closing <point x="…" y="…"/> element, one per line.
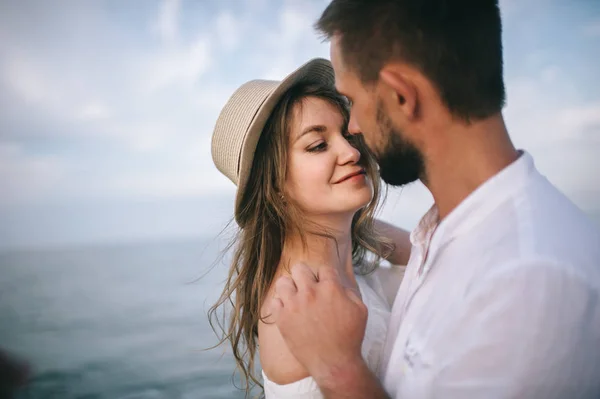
<point x="115" y="322"/>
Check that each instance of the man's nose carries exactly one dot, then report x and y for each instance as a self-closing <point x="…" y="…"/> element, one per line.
<point x="353" y="127"/>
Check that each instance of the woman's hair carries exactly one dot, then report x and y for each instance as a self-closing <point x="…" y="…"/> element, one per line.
<point x="267" y="218"/>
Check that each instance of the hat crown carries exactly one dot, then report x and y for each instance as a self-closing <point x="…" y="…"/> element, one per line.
<point x="237" y="115"/>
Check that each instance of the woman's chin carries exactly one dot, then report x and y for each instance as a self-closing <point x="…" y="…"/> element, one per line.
<point x="359" y="204"/>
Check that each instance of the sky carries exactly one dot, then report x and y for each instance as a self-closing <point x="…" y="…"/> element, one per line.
<point x="107" y="109"/>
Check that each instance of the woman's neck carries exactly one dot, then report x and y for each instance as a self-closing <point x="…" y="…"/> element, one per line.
<point x="320" y="252"/>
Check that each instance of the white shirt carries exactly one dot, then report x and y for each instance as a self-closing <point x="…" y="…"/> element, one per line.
<point x="507" y="303"/>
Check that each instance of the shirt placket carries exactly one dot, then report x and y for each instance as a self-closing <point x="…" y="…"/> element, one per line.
<point x="402" y="324"/>
<point x="423" y="270"/>
<point x="416" y="283"/>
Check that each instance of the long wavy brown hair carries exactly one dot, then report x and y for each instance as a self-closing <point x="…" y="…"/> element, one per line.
<point x="267" y="218"/>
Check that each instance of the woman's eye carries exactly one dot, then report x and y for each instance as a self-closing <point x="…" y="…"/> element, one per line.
<point x="319" y="147"/>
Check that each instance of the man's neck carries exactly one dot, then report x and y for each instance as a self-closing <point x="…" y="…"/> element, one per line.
<point x="465" y="157"/>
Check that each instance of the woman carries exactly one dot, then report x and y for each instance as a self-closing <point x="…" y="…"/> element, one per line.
<point x="307" y="192"/>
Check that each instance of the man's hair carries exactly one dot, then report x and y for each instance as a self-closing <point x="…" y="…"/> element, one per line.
<point x="456" y="44"/>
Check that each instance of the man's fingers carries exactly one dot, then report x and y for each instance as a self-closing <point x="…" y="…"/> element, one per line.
<point x="275" y="307"/>
<point x="285" y="287"/>
<point x="303" y="276"/>
<point x="330" y="274"/>
<point x="354" y="296"/>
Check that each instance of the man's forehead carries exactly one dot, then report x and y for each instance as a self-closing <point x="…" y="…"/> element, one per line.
<point x="340" y="84"/>
<point x="336" y="53"/>
<point x="338" y="64"/>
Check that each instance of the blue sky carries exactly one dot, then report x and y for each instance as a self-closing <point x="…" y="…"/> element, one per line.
<point x="107" y="107"/>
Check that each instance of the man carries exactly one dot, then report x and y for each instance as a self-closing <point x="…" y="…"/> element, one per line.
<point x="501" y="297"/>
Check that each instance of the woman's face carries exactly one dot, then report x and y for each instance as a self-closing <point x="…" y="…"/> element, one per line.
<point x="325" y="173"/>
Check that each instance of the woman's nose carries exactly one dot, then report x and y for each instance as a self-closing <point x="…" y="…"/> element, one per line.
<point x="348" y="153"/>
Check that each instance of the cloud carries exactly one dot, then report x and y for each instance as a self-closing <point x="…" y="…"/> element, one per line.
<point x="581" y="122"/>
<point x="176" y="65"/>
<point x="179" y="59"/>
<point x="536" y="108"/>
<point x="94" y="111"/>
<point x="28" y="83"/>
<point x="59" y="105"/>
<point x="167" y="23"/>
<point x="291" y="41"/>
<point x="24" y="178"/>
<point x="188" y="171"/>
<point x="227" y="31"/>
<point x="592" y="29"/>
<point x="31" y="88"/>
<point x="143" y="96"/>
<point x="546" y="117"/>
<point x="119" y="103"/>
<point x="168" y="185"/>
<point x="149" y="90"/>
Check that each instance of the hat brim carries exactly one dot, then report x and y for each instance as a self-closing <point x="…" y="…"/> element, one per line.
<point x="317" y="70"/>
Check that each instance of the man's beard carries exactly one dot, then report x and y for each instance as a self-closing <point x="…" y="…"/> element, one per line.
<point x="400" y="162"/>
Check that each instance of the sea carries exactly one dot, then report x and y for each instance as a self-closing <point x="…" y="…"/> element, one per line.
<point x="116" y="321"/>
<point x="125" y="321"/>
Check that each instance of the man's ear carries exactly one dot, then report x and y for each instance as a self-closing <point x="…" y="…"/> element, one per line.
<point x="401" y="89"/>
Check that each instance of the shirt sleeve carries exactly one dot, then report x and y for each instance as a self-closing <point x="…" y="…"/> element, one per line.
<point x="531" y="330"/>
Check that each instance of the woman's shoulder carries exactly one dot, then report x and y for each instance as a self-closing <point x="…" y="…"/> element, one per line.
<point x="276" y="360"/>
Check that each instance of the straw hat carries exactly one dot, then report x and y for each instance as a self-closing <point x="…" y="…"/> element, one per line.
<point x="243" y="119"/>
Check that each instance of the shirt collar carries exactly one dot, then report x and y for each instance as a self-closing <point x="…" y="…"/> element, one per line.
<point x="427" y="223"/>
<point x="482" y="201"/>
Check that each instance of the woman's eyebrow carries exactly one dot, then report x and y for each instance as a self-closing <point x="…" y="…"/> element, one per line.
<point x="312" y="128"/>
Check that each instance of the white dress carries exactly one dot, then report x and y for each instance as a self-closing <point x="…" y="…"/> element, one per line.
<point x="378" y="292"/>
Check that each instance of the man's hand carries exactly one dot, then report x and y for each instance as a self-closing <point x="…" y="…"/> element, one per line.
<point x="322" y="322"/>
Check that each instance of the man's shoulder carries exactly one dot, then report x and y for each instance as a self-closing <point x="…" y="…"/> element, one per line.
<point x="539" y="221"/>
<point x="537" y="270"/>
<point x="537" y="231"/>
